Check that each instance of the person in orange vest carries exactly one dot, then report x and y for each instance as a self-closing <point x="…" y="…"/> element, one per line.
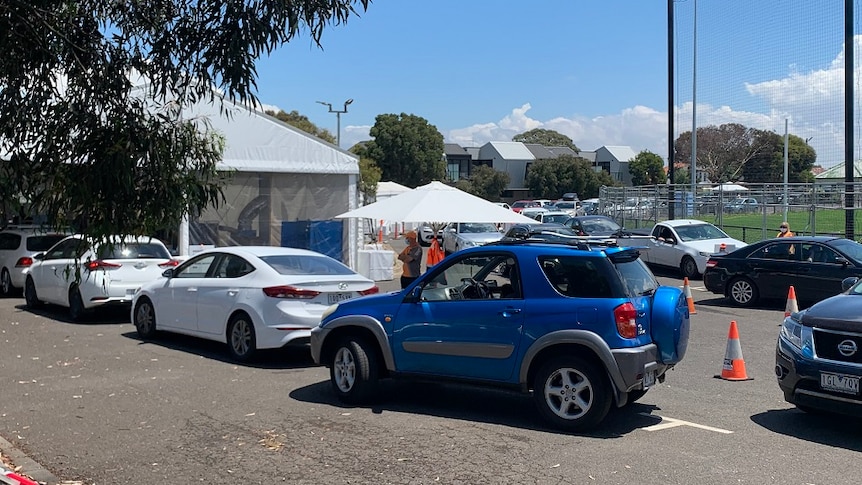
<point x="411" y="257"/>
<point x="784" y="230"/>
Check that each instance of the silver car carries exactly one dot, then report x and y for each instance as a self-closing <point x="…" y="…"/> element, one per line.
<point x="18" y="245"/>
<point x="462" y="235"/>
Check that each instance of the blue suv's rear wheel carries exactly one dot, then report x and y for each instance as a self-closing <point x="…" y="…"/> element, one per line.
<point x="571" y="393"/>
<point x="354" y="371"/>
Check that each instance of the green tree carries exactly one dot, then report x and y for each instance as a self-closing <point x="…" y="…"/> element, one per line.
<point x="369" y="177"/>
<point x="647" y="168"/>
<point x="407" y="148"/>
<point x="768" y="165"/>
<point x="91" y="147"/>
<point x="303" y="123"/>
<point x="549" y="179"/>
<point x="681" y="176"/>
<point x="548" y="138"/>
<point x="488" y="183"/>
<point x="722" y="151"/>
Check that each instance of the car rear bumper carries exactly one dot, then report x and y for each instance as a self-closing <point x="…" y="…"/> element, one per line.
<point x="715" y="281"/>
<point x="799" y="379"/>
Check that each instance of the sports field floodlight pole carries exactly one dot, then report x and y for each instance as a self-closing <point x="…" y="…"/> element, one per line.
<point x="338" y="118"/>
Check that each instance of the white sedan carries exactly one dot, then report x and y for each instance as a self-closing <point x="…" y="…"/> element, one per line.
<point x="685" y="244"/>
<point x="82" y="275"/>
<point x="250" y="297"/>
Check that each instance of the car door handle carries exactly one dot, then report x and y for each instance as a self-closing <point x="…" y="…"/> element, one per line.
<point x="508" y="312"/>
<point x="232" y="292"/>
<point x="192" y="289"/>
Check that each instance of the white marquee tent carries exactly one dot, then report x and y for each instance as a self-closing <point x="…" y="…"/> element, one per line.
<point x="285" y="189"/>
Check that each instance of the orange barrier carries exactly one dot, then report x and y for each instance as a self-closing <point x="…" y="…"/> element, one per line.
<point x="380" y="232"/>
<point x="792" y="306"/>
<point x="686" y="289"/>
<point x="734" y="365"/>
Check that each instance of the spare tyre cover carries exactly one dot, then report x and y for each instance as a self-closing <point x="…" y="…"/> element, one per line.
<point x="669" y="325"/>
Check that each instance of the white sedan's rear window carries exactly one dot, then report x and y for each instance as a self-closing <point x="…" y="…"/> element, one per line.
<point x="133" y="251"/>
<point x="306" y="265"/>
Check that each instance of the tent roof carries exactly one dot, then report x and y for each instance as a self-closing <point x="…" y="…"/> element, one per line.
<point x="837" y="171"/>
<point x="388" y="189"/>
<point x="257" y="142"/>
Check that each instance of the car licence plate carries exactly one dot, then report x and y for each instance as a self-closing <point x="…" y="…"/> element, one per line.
<point x="337" y="297"/>
<point x="839" y="382"/>
<point x="649" y="379"/>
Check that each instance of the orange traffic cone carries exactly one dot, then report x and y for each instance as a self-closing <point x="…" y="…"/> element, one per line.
<point x="686" y="289"/>
<point x="734" y="365"/>
<point x="791" y="306"/>
<point x="380" y="232"/>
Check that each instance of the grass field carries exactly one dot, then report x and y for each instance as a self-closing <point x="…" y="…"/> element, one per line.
<point x="753" y="227"/>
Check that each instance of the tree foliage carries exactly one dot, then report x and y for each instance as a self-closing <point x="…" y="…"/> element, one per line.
<point x="647" y="168"/>
<point x="407" y="148"/>
<point x="768" y="165"/>
<point x="369" y="177"/>
<point x="302" y="122"/>
<point x="548" y="138"/>
<point x="485" y="182"/>
<point x="550" y="179"/>
<point x="91" y="98"/>
<point x="722" y="151"/>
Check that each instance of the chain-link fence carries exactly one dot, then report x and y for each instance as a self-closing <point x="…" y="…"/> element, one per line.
<point x="748" y="213"/>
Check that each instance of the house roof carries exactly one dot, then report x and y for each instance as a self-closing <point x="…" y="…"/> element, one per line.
<point x="837" y="171"/>
<point x="621" y="153"/>
<point x="512" y="150"/>
<point x="454" y="149"/>
<point x="541" y="152"/>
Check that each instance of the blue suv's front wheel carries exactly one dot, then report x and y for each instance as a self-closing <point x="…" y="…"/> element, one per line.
<point x="571" y="393"/>
<point x="353" y="371"/>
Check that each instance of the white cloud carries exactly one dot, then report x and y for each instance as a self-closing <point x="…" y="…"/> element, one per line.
<point x="812" y="102"/>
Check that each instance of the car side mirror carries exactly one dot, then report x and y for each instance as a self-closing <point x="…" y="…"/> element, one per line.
<point x="415" y="295"/>
<point x="848" y="282"/>
<point x="39" y="256"/>
<point x="168" y="273"/>
<point x="841" y="260"/>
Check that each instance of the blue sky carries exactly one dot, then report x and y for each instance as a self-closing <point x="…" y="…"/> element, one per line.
<point x="485" y="70"/>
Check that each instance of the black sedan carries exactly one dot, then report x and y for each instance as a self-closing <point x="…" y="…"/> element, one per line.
<point x="818" y="359"/>
<point x="544" y="231"/>
<point x="594" y="226"/>
<point x="813" y="265"/>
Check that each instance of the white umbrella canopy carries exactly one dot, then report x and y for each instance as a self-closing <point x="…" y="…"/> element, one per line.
<point x="729" y="187"/>
<point x="436" y="202"/>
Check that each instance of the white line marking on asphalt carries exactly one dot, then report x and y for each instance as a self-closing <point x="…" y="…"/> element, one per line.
<point x="667" y="423"/>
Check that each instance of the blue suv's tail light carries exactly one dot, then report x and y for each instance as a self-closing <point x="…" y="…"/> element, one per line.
<point x="625" y="316"/>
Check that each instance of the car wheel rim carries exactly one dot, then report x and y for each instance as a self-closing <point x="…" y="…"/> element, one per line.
<point x="344" y="370"/>
<point x="568" y="393"/>
<point x="144" y="318"/>
<point x="241" y="337"/>
<point x="6" y="282"/>
<point x="690" y="267"/>
<point x="741" y="292"/>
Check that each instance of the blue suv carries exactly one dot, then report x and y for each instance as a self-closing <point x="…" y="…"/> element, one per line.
<point x="581" y="327"/>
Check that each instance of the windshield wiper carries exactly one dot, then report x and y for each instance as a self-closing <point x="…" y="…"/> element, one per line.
<point x="648" y="292"/>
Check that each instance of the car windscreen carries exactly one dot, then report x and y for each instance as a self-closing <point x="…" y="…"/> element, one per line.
<point x="43" y="243"/>
<point x="477" y="227"/>
<point x="556" y="218"/>
<point x="699" y="232"/>
<point x="300" y="264"/>
<point x="133" y="250"/>
<point x="599" y="226"/>
<point x="851" y="249"/>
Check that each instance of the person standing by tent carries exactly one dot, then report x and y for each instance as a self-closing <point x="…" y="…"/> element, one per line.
<point x="411" y="257"/>
<point x="784" y="230"/>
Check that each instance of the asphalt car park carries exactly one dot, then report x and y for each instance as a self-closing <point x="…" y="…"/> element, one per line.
<point x="91" y="401"/>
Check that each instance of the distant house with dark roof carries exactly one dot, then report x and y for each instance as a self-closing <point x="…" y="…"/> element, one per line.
<point x="515" y="158"/>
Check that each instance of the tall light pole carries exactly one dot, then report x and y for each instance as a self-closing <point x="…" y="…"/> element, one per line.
<point x="338" y="118"/>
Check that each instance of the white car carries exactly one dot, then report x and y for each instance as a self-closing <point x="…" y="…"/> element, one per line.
<point x="462" y="235"/>
<point x="81" y="275"/>
<point x="559" y="217"/>
<point x="18" y="245"/>
<point x="249" y="297"/>
<point x="686" y="244"/>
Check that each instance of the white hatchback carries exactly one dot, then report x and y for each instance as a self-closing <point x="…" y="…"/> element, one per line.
<point x="250" y="297"/>
<point x="82" y="275"/>
<point x="18" y="245"/>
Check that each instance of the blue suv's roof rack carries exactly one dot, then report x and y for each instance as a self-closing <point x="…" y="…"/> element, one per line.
<point x="585" y="243"/>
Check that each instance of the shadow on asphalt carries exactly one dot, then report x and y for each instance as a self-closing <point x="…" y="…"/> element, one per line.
<point x="720" y="302"/>
<point x="481" y="405"/>
<point x="295" y="357"/>
<point x="826" y="429"/>
<point x="102" y="316"/>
